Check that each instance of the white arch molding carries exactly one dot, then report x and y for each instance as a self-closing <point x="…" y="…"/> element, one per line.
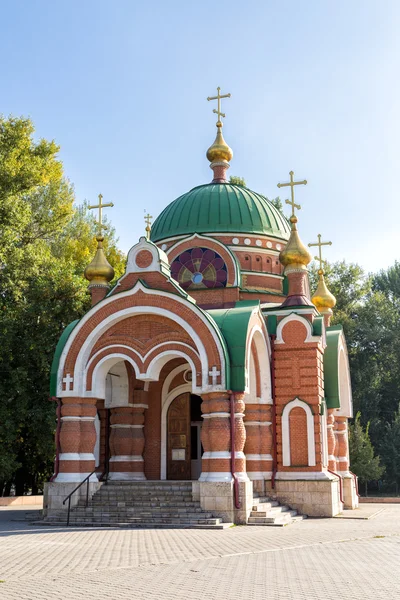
<point x="263" y="351"/>
<point x="286" y="432"/>
<point x="84" y="353"/>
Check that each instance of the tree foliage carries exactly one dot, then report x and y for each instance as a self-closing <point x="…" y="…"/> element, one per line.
<point x="363" y="461"/>
<point x="46" y="244"/>
<point x="235" y="180"/>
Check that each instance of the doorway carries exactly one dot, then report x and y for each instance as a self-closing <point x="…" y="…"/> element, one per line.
<point x="184" y="449"/>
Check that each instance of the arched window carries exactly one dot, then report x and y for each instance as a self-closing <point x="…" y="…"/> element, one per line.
<point x="298" y="435"/>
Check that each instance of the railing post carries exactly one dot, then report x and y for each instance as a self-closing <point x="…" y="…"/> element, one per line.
<point x="69" y="508"/>
<point x="87" y="492"/>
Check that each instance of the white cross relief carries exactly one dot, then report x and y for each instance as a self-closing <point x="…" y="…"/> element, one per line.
<point x="214" y="374"/>
<point x="68" y="380"/>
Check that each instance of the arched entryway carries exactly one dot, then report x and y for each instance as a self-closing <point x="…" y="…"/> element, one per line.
<point x="184" y="448"/>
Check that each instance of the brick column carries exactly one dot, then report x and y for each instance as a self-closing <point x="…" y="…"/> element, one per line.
<point x="342" y="445"/>
<point x="258" y="447"/>
<point x="77" y="439"/>
<point x="216" y="438"/>
<point x="127" y="440"/>
<point x="331" y="440"/>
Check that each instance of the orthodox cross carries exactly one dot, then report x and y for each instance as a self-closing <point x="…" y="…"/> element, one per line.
<point x="319" y="257"/>
<point x="147" y="220"/>
<point x="68" y="380"/>
<point x="292" y="183"/>
<point x="214" y="374"/>
<point x="100" y="206"/>
<point x="219" y="97"/>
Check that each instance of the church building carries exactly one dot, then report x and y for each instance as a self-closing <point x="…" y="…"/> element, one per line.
<point x="210" y="362"/>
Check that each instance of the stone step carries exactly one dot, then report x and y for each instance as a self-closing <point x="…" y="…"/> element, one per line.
<point x="138" y="505"/>
<point x="265" y="511"/>
<point x="279" y="520"/>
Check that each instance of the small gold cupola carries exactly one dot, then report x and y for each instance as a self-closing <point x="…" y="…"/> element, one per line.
<point x="322" y="299"/>
<point x="99" y="271"/>
<point x="295" y="254"/>
<point x="219" y="153"/>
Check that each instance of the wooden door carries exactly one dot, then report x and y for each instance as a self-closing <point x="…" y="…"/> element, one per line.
<point x="178" y="433"/>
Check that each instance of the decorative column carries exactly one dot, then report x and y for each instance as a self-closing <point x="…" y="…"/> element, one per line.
<point x="342" y="445"/>
<point x="77" y="439"/>
<point x="258" y="447"/>
<point x="216" y="438"/>
<point x="331" y="439"/>
<point x="127" y="440"/>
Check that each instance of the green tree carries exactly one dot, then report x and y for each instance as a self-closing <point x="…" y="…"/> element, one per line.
<point x="46" y="244"/>
<point x="235" y="180"/>
<point x="365" y="465"/>
<point x="277" y="202"/>
<point x="390" y="450"/>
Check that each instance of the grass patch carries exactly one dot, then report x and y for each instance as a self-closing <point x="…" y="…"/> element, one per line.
<point x="379" y="536"/>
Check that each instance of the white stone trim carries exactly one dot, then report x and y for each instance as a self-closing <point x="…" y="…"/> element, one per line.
<point x="304" y="475"/>
<point x="76" y="456"/>
<point x="257" y="423"/>
<point x="310" y="338"/>
<point x="258" y="457"/>
<point x="127" y="458"/>
<point x="77" y="418"/>
<point x="169" y="379"/>
<point x="259" y="334"/>
<point x="216" y="414"/>
<point x="216" y="476"/>
<point x="222" y="454"/>
<point x="286" y="432"/>
<point x="84" y="352"/>
<point x="125" y="426"/>
<point x="263" y="250"/>
<point x="288" y="311"/>
<point x="75" y="477"/>
<point x="256" y="475"/>
<point x="345" y="392"/>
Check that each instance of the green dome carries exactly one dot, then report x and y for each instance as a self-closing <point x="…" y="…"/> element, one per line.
<point x="220" y="208"/>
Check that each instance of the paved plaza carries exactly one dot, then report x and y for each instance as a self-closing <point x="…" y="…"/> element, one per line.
<point x="312" y="559"/>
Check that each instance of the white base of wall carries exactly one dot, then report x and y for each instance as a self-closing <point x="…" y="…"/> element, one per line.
<point x="74" y="478"/>
<point x="259" y="475"/>
<point x="304" y="476"/>
<point x="222" y="476"/>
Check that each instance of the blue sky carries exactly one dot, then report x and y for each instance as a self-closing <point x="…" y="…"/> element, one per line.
<point x="122" y="87"/>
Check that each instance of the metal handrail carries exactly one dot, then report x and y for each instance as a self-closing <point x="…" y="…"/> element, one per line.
<point x="73" y="492"/>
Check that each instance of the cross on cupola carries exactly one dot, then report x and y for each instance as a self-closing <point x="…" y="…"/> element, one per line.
<point x="319" y="258"/>
<point x="147" y="220"/>
<point x="100" y="206"/>
<point x="219" y="97"/>
<point x="291" y="184"/>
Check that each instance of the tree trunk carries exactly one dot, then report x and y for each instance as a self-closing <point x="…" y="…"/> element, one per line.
<point x="7" y="488"/>
<point x="366" y="489"/>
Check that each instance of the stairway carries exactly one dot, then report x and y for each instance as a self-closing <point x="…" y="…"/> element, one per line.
<point x="146" y="504"/>
<point x="270" y="512"/>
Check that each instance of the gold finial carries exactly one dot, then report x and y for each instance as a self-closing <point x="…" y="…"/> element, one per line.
<point x="218" y="110"/>
<point x="322" y="299"/>
<point x="319" y="257"/>
<point x="147" y="220"/>
<point x="219" y="153"/>
<point x="295" y="255"/>
<point x="292" y="183"/>
<point x="99" y="272"/>
<point x="100" y="206"/>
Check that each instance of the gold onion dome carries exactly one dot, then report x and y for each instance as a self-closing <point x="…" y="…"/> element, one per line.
<point x="295" y="253"/>
<point x="99" y="271"/>
<point x="323" y="300"/>
<point x="219" y="151"/>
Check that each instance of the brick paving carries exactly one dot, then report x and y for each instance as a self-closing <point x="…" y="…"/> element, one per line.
<point x="312" y="559"/>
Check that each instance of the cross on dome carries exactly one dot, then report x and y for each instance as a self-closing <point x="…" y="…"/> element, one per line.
<point x="291" y="184"/>
<point x="100" y="206"/>
<point x="319" y="257"/>
<point x="147" y="220"/>
<point x="219" y="97"/>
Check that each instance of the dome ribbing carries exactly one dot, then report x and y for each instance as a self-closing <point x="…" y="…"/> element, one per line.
<point x="220" y="208"/>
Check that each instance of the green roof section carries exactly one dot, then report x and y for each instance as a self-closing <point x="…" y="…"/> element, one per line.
<point x="222" y="208"/>
<point x="57" y="355"/>
<point x="331" y="366"/>
<point x="234" y="323"/>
